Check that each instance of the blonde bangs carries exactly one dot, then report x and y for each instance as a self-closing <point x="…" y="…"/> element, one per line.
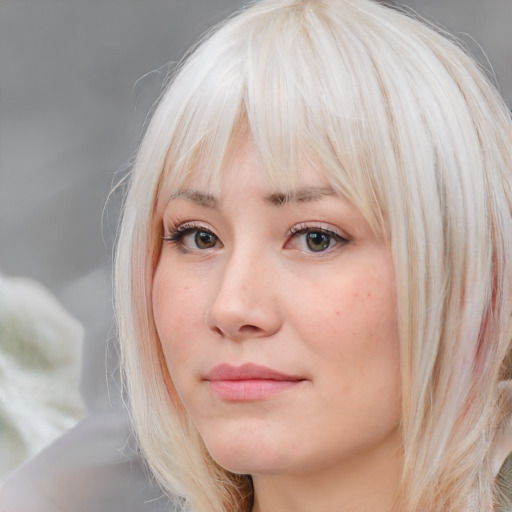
<point x="264" y="86"/>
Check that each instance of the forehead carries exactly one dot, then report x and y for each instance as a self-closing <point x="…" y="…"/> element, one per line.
<point x="209" y="169"/>
<point x="244" y="168"/>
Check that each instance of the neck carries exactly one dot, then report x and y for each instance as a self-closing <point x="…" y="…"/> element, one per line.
<point x="366" y="482"/>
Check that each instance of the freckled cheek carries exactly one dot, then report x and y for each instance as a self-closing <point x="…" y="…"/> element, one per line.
<point x="176" y="310"/>
<point x="359" y="314"/>
<point x="373" y="303"/>
<point x="364" y="343"/>
<point x="371" y="299"/>
<point x="374" y="332"/>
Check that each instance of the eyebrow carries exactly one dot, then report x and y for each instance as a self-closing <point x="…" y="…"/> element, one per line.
<point x="195" y="196"/>
<point x="302" y="195"/>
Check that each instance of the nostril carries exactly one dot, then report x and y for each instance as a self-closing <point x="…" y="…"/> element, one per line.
<point x="249" y="329"/>
<point x="244" y="330"/>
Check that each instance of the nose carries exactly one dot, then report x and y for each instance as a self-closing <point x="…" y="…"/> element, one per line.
<point x="246" y="303"/>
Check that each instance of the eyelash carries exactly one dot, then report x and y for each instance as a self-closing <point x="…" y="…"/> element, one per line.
<point x="304" y="229"/>
<point x="176" y="234"/>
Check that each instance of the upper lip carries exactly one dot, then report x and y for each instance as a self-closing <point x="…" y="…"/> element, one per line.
<point x="248" y="371"/>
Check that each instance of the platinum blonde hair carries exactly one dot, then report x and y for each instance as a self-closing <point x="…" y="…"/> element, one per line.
<point x="404" y="125"/>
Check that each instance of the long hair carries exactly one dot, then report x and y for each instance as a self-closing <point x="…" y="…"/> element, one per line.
<point x="405" y="126"/>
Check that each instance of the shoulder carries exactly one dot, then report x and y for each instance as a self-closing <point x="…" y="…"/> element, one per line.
<point x="504" y="486"/>
<point x="502" y="455"/>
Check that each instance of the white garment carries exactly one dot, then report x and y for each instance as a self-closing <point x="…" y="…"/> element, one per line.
<point x="40" y="347"/>
<point x="94" y="467"/>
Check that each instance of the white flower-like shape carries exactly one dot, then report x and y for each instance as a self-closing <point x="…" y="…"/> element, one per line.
<point x="40" y="352"/>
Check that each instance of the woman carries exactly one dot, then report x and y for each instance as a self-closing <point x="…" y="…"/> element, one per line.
<point x="313" y="270"/>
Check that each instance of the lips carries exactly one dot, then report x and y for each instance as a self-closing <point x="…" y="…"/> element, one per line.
<point x="248" y="382"/>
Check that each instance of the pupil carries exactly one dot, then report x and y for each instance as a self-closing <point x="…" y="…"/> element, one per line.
<point x="318" y="241"/>
<point x="204" y="240"/>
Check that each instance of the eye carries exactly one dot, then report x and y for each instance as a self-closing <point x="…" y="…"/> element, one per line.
<point x="318" y="241"/>
<point x="314" y="239"/>
<point x="192" y="237"/>
<point x="202" y="239"/>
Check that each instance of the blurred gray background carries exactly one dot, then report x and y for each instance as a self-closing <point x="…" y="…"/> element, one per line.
<point x="77" y="78"/>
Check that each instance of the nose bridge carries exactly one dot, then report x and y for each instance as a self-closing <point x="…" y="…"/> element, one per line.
<point x="244" y="304"/>
<point x="241" y="269"/>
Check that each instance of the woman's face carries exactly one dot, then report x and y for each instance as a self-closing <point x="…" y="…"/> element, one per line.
<point x="277" y="318"/>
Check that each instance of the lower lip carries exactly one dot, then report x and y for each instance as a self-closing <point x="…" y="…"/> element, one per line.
<point x="249" y="389"/>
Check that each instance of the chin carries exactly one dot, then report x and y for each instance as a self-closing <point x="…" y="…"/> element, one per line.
<point x="246" y="455"/>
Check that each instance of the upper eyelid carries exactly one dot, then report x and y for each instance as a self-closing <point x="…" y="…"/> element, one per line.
<point x="320" y="226"/>
<point x="176" y="227"/>
<point x="177" y="232"/>
<point x="185" y="225"/>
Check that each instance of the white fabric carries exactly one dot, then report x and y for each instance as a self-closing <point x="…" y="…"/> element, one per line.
<point x="40" y="347"/>
<point x="95" y="467"/>
<point x="92" y="467"/>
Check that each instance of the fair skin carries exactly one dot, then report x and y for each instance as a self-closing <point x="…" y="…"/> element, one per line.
<point x="277" y="318"/>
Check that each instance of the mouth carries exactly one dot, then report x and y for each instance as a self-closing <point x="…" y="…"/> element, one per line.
<point x="248" y="382"/>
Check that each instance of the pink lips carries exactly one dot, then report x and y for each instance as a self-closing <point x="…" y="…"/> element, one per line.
<point x="248" y="382"/>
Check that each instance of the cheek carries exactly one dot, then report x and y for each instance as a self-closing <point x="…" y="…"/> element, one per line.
<point x="361" y="309"/>
<point x="370" y="311"/>
<point x="350" y="326"/>
<point x="176" y="311"/>
<point x="374" y="348"/>
<point x="371" y="319"/>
